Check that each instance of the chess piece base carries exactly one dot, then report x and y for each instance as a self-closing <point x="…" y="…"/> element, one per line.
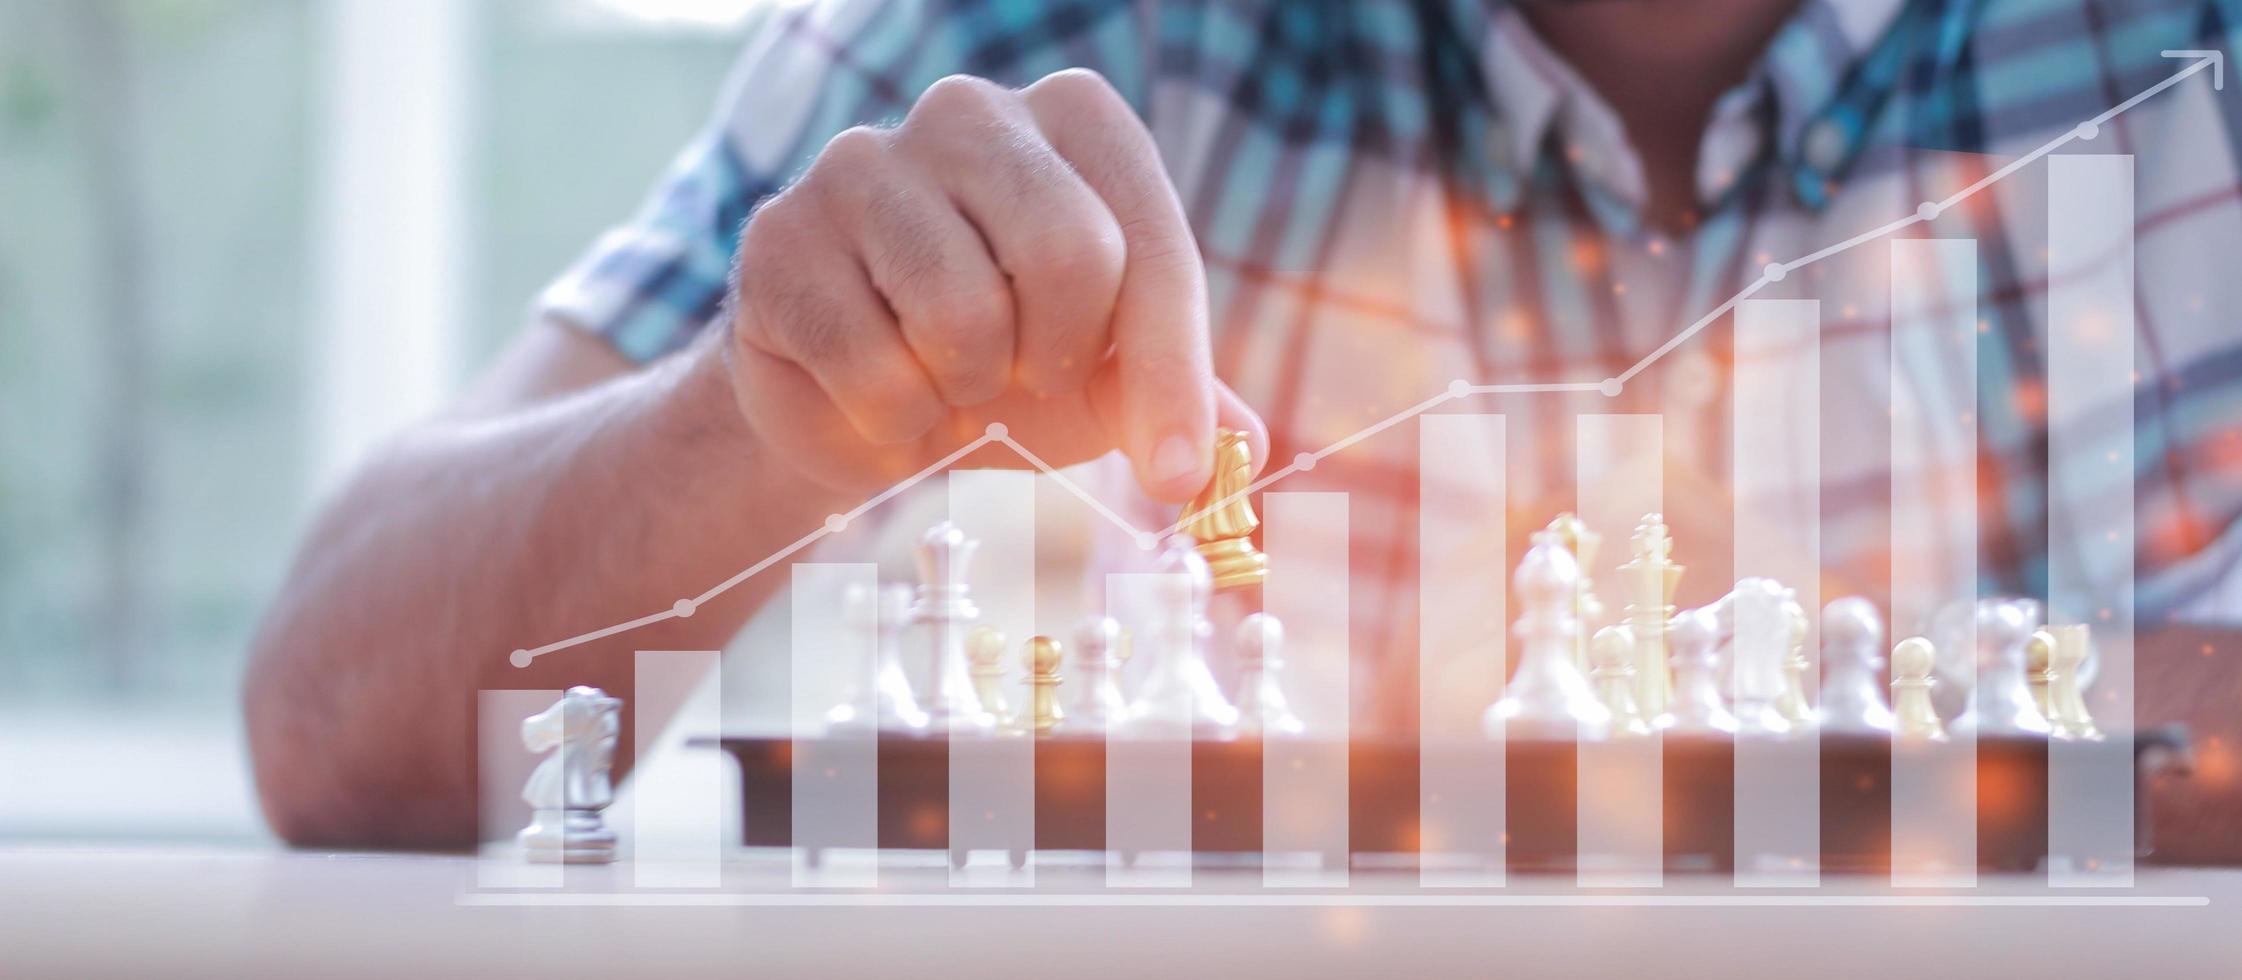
<point x="567" y="837"/>
<point x="1234" y="562"/>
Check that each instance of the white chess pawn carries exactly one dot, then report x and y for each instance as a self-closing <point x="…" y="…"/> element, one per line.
<point x="984" y="650"/>
<point x="1852" y="655"/>
<point x="1097" y="703"/>
<point x="941" y="615"/>
<point x="893" y="707"/>
<point x="572" y="785"/>
<point x="2003" y="705"/>
<point x="1549" y="697"/>
<point x="1697" y="705"/>
<point x="1262" y="708"/>
<point x="1179" y="697"/>
<point x="1914" y="716"/>
<point x="1759" y="641"/>
<point x="1612" y="654"/>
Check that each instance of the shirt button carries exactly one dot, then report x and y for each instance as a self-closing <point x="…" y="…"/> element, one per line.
<point x="1824" y="146"/>
<point x="1497" y="144"/>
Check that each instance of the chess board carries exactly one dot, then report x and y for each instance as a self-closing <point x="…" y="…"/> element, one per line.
<point x="1541" y="795"/>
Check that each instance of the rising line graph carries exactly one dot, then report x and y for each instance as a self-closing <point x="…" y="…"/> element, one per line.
<point x="1772" y="272"/>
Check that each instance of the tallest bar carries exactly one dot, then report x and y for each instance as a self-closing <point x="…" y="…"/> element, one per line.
<point x="2090" y="521"/>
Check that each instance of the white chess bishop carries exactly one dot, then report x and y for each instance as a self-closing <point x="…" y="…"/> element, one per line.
<point x="572" y="785"/>
<point x="942" y="614"/>
<point x="1852" y="657"/>
<point x="890" y="705"/>
<point x="1549" y="697"/>
<point x="1262" y="706"/>
<point x="2003" y="704"/>
<point x="1178" y="697"/>
<point x="1697" y="705"/>
<point x="1097" y="704"/>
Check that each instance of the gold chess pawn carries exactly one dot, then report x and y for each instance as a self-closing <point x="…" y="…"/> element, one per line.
<point x="1221" y="520"/>
<point x="1793" y="705"/>
<point x="1583" y="542"/>
<point x="2039" y="654"/>
<point x="2066" y="656"/>
<point x="1044" y="712"/>
<point x="984" y="650"/>
<point x="1913" y="716"/>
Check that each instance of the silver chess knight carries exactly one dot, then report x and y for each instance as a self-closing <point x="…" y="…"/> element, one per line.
<point x="1852" y="658"/>
<point x="890" y="705"/>
<point x="1262" y="706"/>
<point x="1179" y="697"/>
<point x="942" y="615"/>
<point x="1549" y="697"/>
<point x="572" y="785"/>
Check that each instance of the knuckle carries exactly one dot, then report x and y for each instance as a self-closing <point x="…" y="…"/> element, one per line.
<point x="850" y="153"/>
<point x="961" y="96"/>
<point x="1077" y="256"/>
<point x="1080" y="88"/>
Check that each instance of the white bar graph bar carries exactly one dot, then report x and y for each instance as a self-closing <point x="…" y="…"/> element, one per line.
<point x="1934" y="539"/>
<point x="836" y="779"/>
<point x="2090" y="525"/>
<point x="1777" y="480"/>
<point x="1148" y="813"/>
<point x="677" y="793"/>
<point x="1463" y="627"/>
<point x="1304" y="777"/>
<point x="502" y="767"/>
<point x="992" y="780"/>
<point x="1620" y="469"/>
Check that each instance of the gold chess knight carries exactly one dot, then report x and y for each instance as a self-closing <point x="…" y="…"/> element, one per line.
<point x="1221" y="520"/>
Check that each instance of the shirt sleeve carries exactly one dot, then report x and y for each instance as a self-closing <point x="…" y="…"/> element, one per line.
<point x="649" y="285"/>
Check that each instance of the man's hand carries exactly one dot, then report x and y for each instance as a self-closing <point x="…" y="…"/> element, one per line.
<point x="1001" y="256"/>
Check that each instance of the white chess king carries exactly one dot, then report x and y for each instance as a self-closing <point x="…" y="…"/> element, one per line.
<point x="572" y="785"/>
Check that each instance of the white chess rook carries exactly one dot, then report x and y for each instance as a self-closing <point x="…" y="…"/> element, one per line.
<point x="572" y="785"/>
<point x="1758" y="623"/>
<point x="1852" y="657"/>
<point x="1262" y="706"/>
<point x="893" y="707"/>
<point x="941" y="616"/>
<point x="1549" y="697"/>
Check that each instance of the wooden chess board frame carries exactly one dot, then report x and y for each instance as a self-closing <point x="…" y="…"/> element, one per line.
<point x="1541" y="796"/>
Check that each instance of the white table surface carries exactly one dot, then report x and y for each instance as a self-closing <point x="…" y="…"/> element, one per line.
<point x="235" y="911"/>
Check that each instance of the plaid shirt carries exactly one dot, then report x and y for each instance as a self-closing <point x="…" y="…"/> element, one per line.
<point x="1396" y="193"/>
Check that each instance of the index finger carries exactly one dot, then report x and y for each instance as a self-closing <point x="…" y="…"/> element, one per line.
<point x="1159" y="325"/>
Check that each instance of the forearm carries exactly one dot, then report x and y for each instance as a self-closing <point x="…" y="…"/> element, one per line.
<point x="468" y="539"/>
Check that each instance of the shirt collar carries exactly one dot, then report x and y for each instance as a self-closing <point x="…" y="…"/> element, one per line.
<point x="1800" y="80"/>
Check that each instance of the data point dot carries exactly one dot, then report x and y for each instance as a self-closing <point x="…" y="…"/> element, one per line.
<point x="2088" y="130"/>
<point x="997" y="430"/>
<point x="1774" y="272"/>
<point x="1459" y="388"/>
<point x="1304" y="462"/>
<point x="1146" y="541"/>
<point x="1610" y="387"/>
<point x="683" y="607"/>
<point x="519" y="658"/>
<point x="836" y="523"/>
<point x="1927" y="210"/>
